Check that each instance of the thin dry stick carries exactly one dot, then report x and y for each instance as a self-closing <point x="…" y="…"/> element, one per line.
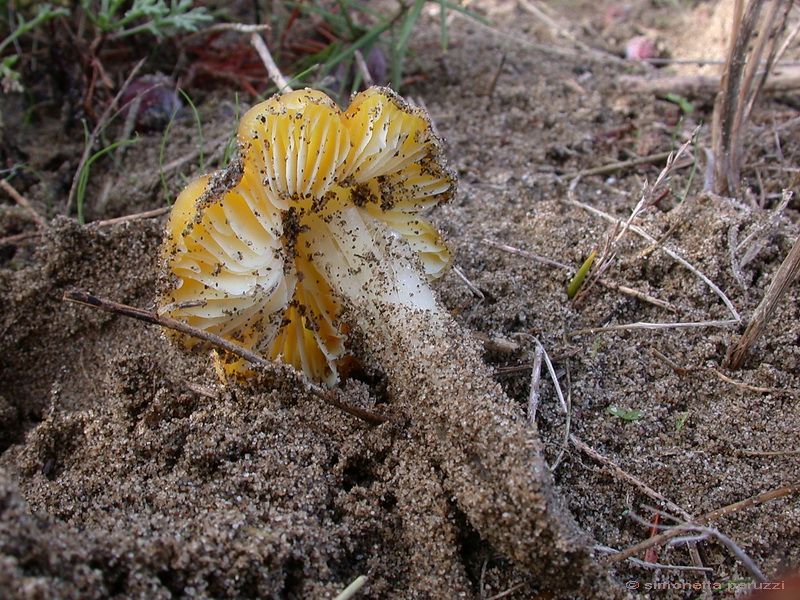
<point x="786" y="274"/>
<point x="753" y="388"/>
<point x="700" y="369"/>
<point x="363" y="68"/>
<point x="272" y="69"/>
<point x="472" y="287"/>
<point x="652" y="565"/>
<point x="662" y="538"/>
<point x="526" y="254"/>
<point x="508" y="592"/>
<point x="620" y="166"/>
<point x="699" y="86"/>
<point x="19" y="237"/>
<point x="149" y="214"/>
<point x="24" y="203"/>
<point x="624" y="289"/>
<point x="227" y="345"/>
<point x="650" y="326"/>
<point x="489" y="93"/>
<point x="702" y="533"/>
<point x="625" y="476"/>
<point x="101" y="123"/>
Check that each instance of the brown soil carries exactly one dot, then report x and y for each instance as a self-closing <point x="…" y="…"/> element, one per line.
<point x="130" y="471"/>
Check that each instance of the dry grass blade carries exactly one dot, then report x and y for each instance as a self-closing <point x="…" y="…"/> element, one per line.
<point x="651" y="195"/>
<point x="786" y="274"/>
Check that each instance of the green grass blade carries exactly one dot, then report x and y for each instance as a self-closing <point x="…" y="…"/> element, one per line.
<point x="577" y="281"/>
<point x="161" y="152"/>
<point x="83" y="178"/>
<point x="201" y="141"/>
<point x="408" y="24"/>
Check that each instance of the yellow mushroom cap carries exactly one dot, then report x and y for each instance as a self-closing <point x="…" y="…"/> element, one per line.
<point x="242" y="253"/>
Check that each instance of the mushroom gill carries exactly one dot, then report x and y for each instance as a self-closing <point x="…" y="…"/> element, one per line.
<point x="321" y="206"/>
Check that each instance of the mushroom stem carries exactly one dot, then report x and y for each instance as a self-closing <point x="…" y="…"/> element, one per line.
<point x="368" y="266"/>
<point x="464" y="423"/>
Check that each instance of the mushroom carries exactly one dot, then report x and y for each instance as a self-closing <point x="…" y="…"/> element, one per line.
<point x="317" y="227"/>
<point x="320" y="212"/>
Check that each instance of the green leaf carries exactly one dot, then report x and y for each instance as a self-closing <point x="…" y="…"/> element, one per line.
<point x="686" y="107"/>
<point x="625" y="415"/>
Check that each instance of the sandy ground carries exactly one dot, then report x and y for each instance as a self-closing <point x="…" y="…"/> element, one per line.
<point x="130" y="471"/>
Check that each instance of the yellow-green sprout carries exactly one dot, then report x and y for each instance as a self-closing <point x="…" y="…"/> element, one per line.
<point x="321" y="207"/>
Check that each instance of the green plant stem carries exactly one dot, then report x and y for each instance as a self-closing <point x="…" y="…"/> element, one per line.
<point x="45" y="13"/>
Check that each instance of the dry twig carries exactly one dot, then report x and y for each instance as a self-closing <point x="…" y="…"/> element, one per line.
<point x="272" y="69"/>
<point x="667" y="535"/>
<point x="702" y="533"/>
<point x="627" y="477"/>
<point x="621" y="166"/>
<point x="24" y="203"/>
<point x="215" y="340"/>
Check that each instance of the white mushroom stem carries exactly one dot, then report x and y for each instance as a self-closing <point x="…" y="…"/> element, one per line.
<point x="491" y="458"/>
<point x="367" y="264"/>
